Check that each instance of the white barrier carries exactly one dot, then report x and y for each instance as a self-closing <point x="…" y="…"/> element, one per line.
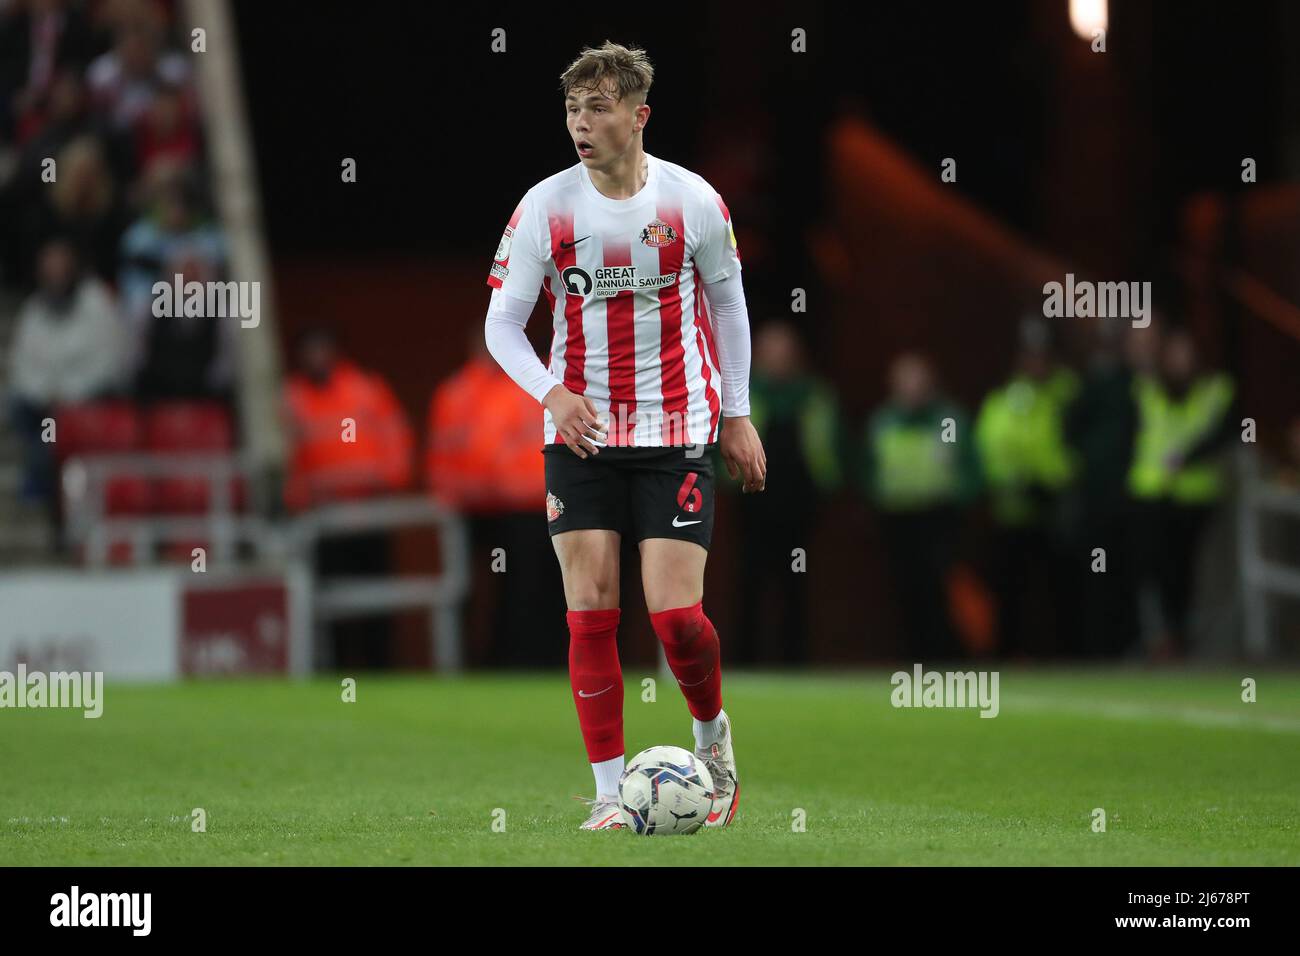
<point x="155" y="624"/>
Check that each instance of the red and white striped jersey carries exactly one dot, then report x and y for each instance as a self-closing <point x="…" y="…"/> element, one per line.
<point x="623" y="279"/>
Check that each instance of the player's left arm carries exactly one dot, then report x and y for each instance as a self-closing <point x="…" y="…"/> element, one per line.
<point x="719" y="264"/>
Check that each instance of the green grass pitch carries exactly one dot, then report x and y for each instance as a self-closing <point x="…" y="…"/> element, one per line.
<point x="413" y="771"/>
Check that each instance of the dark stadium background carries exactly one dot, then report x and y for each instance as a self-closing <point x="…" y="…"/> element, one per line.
<point x="202" y="535"/>
<point x="1088" y="159"/>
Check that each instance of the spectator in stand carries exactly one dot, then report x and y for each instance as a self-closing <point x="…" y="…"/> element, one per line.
<point x="483" y="460"/>
<point x="64" y="115"/>
<point x="185" y="356"/>
<point x="83" y="204"/>
<point x="167" y="133"/>
<point x="125" y="80"/>
<point x="348" y="439"/>
<point x="174" y="230"/>
<point x="37" y="39"/>
<point x="67" y="348"/>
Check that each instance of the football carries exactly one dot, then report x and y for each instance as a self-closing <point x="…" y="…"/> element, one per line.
<point x="665" y="791"/>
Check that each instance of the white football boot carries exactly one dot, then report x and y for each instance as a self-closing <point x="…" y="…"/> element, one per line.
<point x="605" y="814"/>
<point x="721" y="762"/>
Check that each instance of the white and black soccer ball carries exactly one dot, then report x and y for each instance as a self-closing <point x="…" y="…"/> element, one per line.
<point x="665" y="791"/>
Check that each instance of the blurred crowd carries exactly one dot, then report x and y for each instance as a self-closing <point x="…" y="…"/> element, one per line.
<point x="102" y="192"/>
<point x="1064" y="518"/>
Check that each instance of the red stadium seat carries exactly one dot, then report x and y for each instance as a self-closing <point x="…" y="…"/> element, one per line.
<point x="188" y="427"/>
<point x="170" y="429"/>
<point x="96" y="427"/>
<point x="128" y="495"/>
<point x="105" y="428"/>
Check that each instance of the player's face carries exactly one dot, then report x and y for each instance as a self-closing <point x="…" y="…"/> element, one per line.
<point x="601" y="127"/>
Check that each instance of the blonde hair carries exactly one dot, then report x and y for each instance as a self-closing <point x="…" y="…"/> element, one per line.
<point x="630" y="69"/>
<point x="84" y="183"/>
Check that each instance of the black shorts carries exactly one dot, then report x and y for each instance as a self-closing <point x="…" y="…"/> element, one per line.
<point x="638" y="492"/>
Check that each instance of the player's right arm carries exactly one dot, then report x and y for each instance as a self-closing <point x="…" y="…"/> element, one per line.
<point x="515" y="278"/>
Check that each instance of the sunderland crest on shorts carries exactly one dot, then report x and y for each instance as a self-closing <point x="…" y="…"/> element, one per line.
<point x="554" y="507"/>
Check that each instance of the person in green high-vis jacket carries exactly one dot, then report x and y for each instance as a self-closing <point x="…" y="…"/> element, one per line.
<point x="1178" y="475"/>
<point x="1028" y="469"/>
<point x="919" y="471"/>
<point x="796" y="415"/>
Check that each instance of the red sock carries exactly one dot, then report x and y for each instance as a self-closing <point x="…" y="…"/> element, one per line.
<point x="691" y="646"/>
<point x="597" y="681"/>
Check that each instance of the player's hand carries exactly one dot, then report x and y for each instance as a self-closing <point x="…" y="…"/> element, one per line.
<point x="576" y="421"/>
<point x="743" y="454"/>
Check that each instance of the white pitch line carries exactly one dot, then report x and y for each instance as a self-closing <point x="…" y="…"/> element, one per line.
<point x="1118" y="710"/>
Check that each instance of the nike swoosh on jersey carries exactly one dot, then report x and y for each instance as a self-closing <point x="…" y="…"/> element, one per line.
<point x="570" y="245"/>
<point x="677" y="523"/>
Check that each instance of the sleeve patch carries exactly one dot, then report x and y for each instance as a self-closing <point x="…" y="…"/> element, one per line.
<point x="503" y="247"/>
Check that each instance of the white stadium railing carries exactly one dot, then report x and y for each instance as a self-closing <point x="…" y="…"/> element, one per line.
<point x="355" y="595"/>
<point x="86" y="481"/>
<point x="1262" y="577"/>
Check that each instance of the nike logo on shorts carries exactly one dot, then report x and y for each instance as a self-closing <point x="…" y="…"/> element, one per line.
<point x="678" y="523"/>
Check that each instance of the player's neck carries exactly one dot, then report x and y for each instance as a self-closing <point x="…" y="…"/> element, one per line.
<point x="625" y="178"/>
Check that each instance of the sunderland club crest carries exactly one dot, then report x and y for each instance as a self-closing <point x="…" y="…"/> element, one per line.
<point x="658" y="233"/>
